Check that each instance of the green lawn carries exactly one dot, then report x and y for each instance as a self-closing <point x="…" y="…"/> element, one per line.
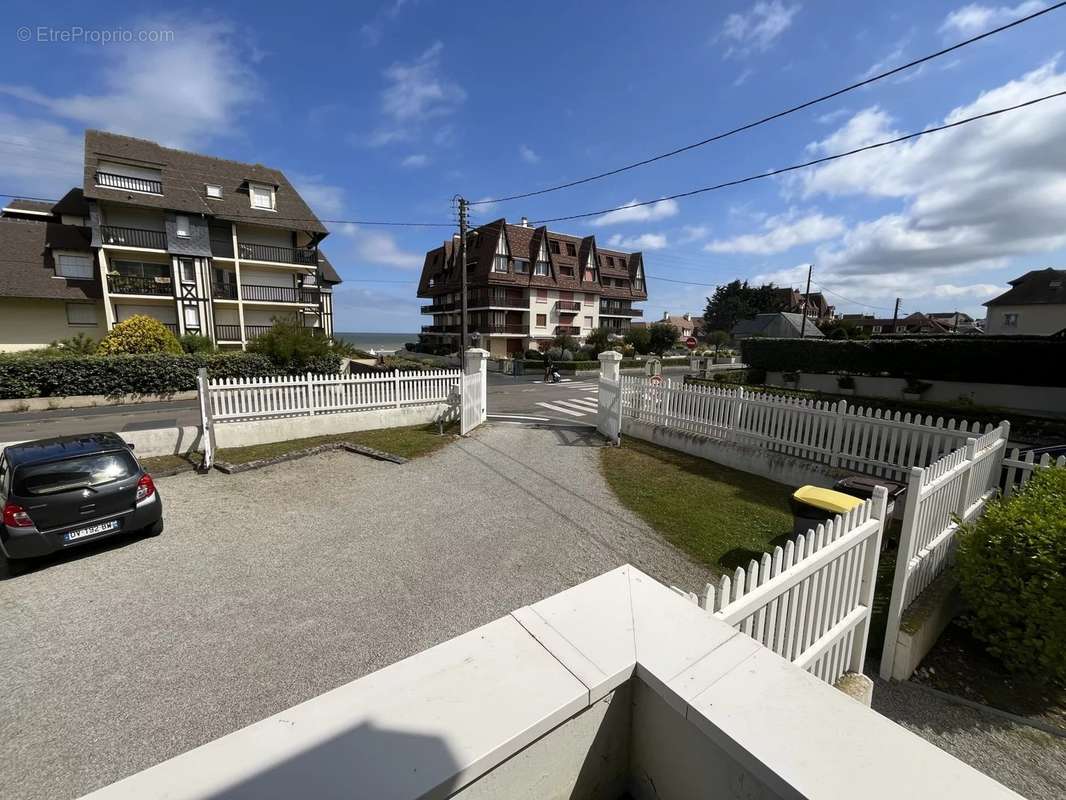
<point x="412" y="442"/>
<point x="721" y="517"/>
<point x="167" y="464"/>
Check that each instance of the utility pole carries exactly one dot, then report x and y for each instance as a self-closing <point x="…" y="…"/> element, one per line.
<point x="806" y="301"/>
<point x="463" y="212"/>
<point x="895" y="316"/>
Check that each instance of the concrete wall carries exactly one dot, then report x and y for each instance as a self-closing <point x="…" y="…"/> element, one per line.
<point x="923" y="622"/>
<point x="272" y="236"/>
<point x="163" y="312"/>
<point x="240" y="434"/>
<point x="27" y="323"/>
<point x="1038" y="399"/>
<point x="133" y="217"/>
<point x="267" y="277"/>
<point x="1038" y="320"/>
<point x="156" y="441"/>
<point x="777" y="467"/>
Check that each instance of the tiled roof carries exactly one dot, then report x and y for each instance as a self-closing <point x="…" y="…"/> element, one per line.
<point x="28" y="206"/>
<point x="329" y="274"/>
<point x="1037" y="287"/>
<point x="184" y="178"/>
<point x="780" y="324"/>
<point x="26" y="265"/>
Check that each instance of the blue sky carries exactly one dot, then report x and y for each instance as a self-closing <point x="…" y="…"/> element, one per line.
<point x="386" y="110"/>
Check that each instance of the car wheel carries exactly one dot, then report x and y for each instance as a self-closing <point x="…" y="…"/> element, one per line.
<point x="154" y="529"/>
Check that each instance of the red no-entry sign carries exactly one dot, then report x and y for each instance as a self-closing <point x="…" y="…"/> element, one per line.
<point x="691" y="342"/>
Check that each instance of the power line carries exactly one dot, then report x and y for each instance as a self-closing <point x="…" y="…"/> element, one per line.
<point x="822" y="288"/>
<point x="814" y="162"/>
<point x="779" y="114"/>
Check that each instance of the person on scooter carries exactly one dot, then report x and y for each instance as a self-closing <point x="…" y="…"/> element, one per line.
<point x="549" y="370"/>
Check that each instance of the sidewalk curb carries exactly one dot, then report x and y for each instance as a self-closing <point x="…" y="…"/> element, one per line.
<point x="380" y="455"/>
<point x="1039" y="724"/>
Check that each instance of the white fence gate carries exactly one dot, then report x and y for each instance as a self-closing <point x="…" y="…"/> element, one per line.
<point x="475" y="391"/>
<point x="955" y="488"/>
<point x="810" y="602"/>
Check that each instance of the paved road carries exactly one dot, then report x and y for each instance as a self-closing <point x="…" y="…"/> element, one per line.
<point x="15" y="426"/>
<point x="270" y="587"/>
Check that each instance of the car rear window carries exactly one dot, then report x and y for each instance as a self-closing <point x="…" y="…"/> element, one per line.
<point x="74" y="473"/>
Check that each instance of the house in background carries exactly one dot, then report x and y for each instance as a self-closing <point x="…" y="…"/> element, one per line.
<point x="776" y="325"/>
<point x="793" y="301"/>
<point x="912" y="323"/>
<point x="527" y="285"/>
<point x="956" y="321"/>
<point x="204" y="245"/>
<point x="1035" y="305"/>
<point x="686" y="324"/>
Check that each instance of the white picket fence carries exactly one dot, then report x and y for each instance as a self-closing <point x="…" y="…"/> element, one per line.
<point x="238" y="399"/>
<point x="810" y="602"/>
<point x="863" y="439"/>
<point x="473" y="400"/>
<point x="1018" y="469"/>
<point x="954" y="489"/>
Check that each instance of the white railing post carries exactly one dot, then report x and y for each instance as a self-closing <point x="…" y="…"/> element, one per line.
<point x="966" y="484"/>
<point x="904" y="553"/>
<point x="396" y="386"/>
<point x="838" y="433"/>
<point x="872" y="551"/>
<point x="207" y="421"/>
<point x="310" y="395"/>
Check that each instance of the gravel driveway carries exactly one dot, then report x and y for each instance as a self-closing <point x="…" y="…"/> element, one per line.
<point x="270" y="587"/>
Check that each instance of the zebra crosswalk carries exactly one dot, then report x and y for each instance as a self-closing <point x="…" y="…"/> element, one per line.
<point x="581" y="406"/>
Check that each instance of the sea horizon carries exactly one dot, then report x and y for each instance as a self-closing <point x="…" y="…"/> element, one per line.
<point x="376" y="340"/>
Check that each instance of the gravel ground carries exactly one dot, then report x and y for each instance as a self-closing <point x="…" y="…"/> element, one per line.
<point x="270" y="587"/>
<point x="1027" y="760"/>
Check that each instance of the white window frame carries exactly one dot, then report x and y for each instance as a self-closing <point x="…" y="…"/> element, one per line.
<point x="182" y="264"/>
<point x="1010" y="319"/>
<point x="521" y="266"/>
<point x="91" y="306"/>
<point x="588" y="323"/>
<point x="541" y="324"/>
<point x="191" y="315"/>
<point x="59" y="255"/>
<point x="261" y="187"/>
<point x="185" y="232"/>
<point x="208" y="187"/>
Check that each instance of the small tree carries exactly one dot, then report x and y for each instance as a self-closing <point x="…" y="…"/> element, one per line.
<point x="597" y="341"/>
<point x="79" y="345"/>
<point x="663" y="337"/>
<point x="717" y="338"/>
<point x="295" y="348"/>
<point x="195" y="343"/>
<point x="564" y="341"/>
<point x="639" y="339"/>
<point x="137" y="335"/>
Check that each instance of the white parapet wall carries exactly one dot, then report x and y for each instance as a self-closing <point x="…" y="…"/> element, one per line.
<point x="615" y="685"/>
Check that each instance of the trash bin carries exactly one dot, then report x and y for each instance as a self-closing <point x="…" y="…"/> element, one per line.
<point x="862" y="486"/>
<point x="812" y="505"/>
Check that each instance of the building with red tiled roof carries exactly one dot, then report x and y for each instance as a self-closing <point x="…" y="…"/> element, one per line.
<point x="527" y="285"/>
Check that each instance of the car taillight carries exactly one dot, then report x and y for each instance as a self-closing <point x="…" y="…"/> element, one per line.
<point x="16" y="517"/>
<point x="145" y="487"/>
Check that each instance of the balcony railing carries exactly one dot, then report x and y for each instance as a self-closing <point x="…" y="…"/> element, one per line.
<point x="280" y="294"/>
<point x="480" y="299"/>
<point x="572" y="330"/>
<point x="137" y="284"/>
<point x="113" y="181"/>
<point x="232" y="333"/>
<point x="440" y="329"/>
<point x="497" y="329"/>
<point x="280" y="255"/>
<point x="568" y="305"/>
<point x="620" y="310"/>
<point x="221" y="248"/>
<point x="133" y="237"/>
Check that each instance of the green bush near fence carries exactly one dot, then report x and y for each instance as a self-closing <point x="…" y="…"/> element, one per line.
<point x="1012" y="571"/>
<point x="979" y="359"/>
<point x="157" y="373"/>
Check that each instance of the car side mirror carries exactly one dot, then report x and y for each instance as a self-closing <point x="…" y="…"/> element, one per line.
<point x="131" y="445"/>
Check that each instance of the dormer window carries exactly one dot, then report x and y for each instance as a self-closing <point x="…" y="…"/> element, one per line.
<point x="503" y="255"/>
<point x="542" y="267"/>
<point x="214" y="191"/>
<point x="589" y="275"/>
<point x="262" y="196"/>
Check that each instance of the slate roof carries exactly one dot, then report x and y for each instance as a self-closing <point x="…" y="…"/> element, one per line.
<point x="442" y="263"/>
<point x="184" y="177"/>
<point x="1036" y="287"/>
<point x="34" y="207"/>
<point x="72" y="203"/>
<point x="778" y="325"/>
<point x="26" y="265"/>
<point x="329" y="274"/>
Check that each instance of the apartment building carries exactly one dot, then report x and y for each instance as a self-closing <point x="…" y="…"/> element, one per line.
<point x="205" y="245"/>
<point x="527" y="285"/>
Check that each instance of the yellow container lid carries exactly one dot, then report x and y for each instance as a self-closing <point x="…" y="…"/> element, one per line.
<point x="826" y="499"/>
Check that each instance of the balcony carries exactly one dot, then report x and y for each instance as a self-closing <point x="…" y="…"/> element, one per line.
<point x="125" y="182"/>
<point x="224" y="291"/>
<point x="278" y="255"/>
<point x="569" y="330"/>
<point x="567" y="305"/>
<point x="232" y="333"/>
<point x="440" y="329"/>
<point x="221" y="247"/>
<point x="133" y="237"/>
<point x="618" y="310"/>
<point x="308" y="296"/>
<point x="520" y="330"/>
<point x="136" y="284"/>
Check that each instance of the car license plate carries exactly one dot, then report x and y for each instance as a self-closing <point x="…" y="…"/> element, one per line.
<point x="92" y="530"/>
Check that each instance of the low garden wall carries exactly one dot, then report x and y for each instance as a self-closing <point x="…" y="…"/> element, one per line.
<point x="1032" y="399"/>
<point x="153" y="442"/>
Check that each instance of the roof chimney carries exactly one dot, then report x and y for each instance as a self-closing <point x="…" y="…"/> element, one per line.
<point x="688" y="317"/>
<point x="525" y="222"/>
<point x="666" y="316"/>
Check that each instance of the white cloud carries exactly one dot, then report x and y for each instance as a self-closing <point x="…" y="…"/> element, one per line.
<point x="180" y="93"/>
<point x="324" y="198"/>
<point x="646" y="241"/>
<point x="373" y="31"/>
<point x="39" y="158"/>
<point x="631" y="212"/>
<point x="832" y="116"/>
<point x="375" y="247"/>
<point x="781" y="233"/>
<point x="972" y="197"/>
<point x="757" y="29"/>
<point x="528" y="155"/>
<point x="418" y="91"/>
<point x="415" y="161"/>
<point x="693" y="233"/>
<point x="976" y="18"/>
<point x="742" y="78"/>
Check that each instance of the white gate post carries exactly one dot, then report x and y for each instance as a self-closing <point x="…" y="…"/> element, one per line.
<point x="207" y="420"/>
<point x="899" y="579"/>
<point x="474" y="376"/>
<point x="609" y="396"/>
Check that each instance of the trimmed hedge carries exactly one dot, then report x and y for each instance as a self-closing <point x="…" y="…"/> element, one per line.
<point x="1024" y="361"/>
<point x="157" y="373"/>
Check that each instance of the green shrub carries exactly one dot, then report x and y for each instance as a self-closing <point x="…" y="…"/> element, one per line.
<point x="294" y="348"/>
<point x="534" y="355"/>
<point x="138" y="335"/>
<point x="1012" y="570"/>
<point x="195" y="343"/>
<point x="662" y="336"/>
<point x="597" y="341"/>
<point x="639" y="339"/>
<point x="80" y="345"/>
<point x="978" y="359"/>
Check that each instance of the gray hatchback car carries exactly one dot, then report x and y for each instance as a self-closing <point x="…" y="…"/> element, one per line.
<point x="62" y="492"/>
